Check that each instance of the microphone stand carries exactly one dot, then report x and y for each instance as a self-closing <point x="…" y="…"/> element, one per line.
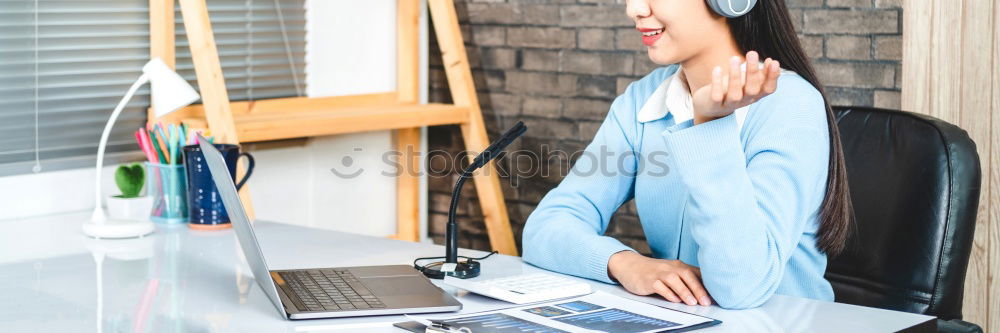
<point x="470" y="268"/>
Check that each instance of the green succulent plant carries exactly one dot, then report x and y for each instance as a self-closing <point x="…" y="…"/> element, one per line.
<point x="130" y="179"/>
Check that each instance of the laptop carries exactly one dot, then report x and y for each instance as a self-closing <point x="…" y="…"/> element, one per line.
<point x="326" y="292"/>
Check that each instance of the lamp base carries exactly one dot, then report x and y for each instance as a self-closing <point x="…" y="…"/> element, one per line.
<point x="462" y="270"/>
<point x="112" y="228"/>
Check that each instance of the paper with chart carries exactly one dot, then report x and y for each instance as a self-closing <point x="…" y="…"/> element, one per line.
<point x="597" y="312"/>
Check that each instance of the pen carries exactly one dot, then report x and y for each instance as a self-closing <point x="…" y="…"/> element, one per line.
<point x="441" y="327"/>
<point x="165" y="144"/>
<point x="179" y="144"/>
<point x="151" y="145"/>
<point x="158" y="145"/>
<point x="184" y="133"/>
<point x="144" y="146"/>
<point x="162" y="134"/>
<point x="172" y="142"/>
<point x="138" y="139"/>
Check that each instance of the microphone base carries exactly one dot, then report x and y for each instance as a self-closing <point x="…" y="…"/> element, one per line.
<point x="463" y="270"/>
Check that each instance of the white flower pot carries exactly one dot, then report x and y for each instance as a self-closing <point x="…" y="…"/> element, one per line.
<point x="130" y="209"/>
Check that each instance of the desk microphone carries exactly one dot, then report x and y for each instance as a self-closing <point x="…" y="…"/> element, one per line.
<point x="470" y="268"/>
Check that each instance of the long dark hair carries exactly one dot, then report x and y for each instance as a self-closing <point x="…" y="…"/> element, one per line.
<point x="768" y="29"/>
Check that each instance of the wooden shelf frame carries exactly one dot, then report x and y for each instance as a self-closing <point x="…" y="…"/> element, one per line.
<point x="400" y="111"/>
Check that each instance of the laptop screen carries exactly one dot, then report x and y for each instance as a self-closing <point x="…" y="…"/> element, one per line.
<point x="241" y="223"/>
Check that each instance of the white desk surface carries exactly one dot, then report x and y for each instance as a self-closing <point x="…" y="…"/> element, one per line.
<point x="180" y="280"/>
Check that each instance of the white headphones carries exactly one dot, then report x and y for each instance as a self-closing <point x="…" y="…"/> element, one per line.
<point x="728" y="9"/>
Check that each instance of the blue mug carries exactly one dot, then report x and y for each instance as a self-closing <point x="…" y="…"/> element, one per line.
<point x="204" y="203"/>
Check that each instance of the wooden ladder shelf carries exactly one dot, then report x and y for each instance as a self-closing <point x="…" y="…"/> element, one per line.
<point x="285" y="118"/>
<point x="296" y="117"/>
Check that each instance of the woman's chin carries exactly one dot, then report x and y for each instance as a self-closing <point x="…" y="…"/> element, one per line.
<point x="661" y="55"/>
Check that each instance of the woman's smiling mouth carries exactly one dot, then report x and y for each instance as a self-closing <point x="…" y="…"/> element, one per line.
<point x="650" y="36"/>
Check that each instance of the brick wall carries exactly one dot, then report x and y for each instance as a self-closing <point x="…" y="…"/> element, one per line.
<point x="558" y="64"/>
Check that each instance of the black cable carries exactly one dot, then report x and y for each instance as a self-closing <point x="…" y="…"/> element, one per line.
<point x="463" y="257"/>
<point x="421" y="268"/>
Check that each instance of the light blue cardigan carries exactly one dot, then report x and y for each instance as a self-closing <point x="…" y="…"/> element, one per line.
<point x="741" y="203"/>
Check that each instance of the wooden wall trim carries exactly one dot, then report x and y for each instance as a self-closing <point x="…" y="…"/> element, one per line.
<point x="950" y="59"/>
<point x="993" y="176"/>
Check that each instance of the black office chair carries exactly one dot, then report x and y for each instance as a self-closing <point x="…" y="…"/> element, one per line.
<point x="914" y="182"/>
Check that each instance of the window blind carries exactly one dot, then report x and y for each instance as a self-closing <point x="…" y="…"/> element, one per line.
<point x="252" y="50"/>
<point x="89" y="52"/>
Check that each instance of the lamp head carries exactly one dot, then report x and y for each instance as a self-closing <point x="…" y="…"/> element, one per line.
<point x="168" y="90"/>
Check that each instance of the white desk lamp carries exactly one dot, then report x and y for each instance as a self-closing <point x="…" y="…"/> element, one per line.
<point x="169" y="92"/>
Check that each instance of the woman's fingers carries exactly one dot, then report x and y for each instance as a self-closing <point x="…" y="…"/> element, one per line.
<point x="735" y="94"/>
<point x="718" y="90"/>
<point x="755" y="77"/>
<point x="766" y="68"/>
<point x="733" y="87"/>
<point x="665" y="291"/>
<point x="679" y="288"/>
<point x="771" y="82"/>
<point x="693" y="283"/>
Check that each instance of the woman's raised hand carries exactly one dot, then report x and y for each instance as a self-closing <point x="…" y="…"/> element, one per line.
<point x="731" y="89"/>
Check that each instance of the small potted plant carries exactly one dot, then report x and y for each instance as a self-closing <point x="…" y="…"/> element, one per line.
<point x="129" y="205"/>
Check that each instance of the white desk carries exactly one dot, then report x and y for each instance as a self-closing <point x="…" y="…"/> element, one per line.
<point x="179" y="280"/>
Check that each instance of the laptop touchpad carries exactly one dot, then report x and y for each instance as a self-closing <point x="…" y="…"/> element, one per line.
<point x="400" y="285"/>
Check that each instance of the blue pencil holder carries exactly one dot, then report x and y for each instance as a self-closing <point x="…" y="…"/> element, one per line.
<point x="167" y="184"/>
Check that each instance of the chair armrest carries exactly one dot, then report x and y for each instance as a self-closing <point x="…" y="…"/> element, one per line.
<point x="958" y="326"/>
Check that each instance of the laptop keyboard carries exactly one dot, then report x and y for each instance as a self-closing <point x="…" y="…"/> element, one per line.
<point x="330" y="290"/>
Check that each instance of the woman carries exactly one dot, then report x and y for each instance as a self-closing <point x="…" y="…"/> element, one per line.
<point x="755" y="194"/>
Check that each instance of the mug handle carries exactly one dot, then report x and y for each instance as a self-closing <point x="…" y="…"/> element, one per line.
<point x="249" y="170"/>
